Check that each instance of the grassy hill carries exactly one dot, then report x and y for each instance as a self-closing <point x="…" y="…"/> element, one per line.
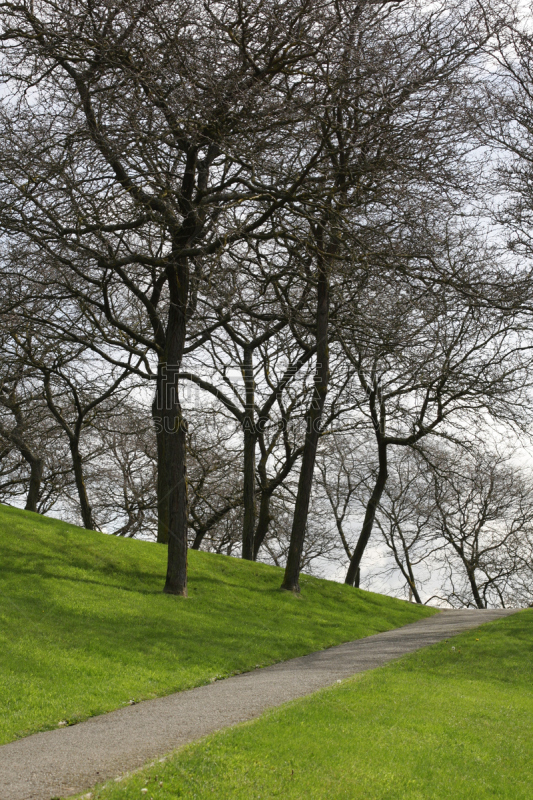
<point x="450" y="722"/>
<point x="85" y="627"/>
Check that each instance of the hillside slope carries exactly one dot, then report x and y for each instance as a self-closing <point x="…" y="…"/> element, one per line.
<point x="85" y="627"/>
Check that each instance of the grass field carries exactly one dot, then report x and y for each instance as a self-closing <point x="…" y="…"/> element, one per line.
<point x="451" y="722"/>
<point x="85" y="627"/>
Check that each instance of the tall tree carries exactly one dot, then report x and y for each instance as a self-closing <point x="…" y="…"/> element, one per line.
<point x="393" y="134"/>
<point x="152" y="137"/>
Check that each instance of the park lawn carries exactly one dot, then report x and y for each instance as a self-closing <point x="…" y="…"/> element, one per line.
<point x="441" y="724"/>
<point x="85" y="627"/>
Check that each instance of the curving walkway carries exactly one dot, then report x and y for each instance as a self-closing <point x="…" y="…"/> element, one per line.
<point x="70" y="760"/>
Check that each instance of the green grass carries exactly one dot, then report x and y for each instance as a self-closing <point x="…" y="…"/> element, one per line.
<point x="85" y="627"/>
<point x="441" y="724"/>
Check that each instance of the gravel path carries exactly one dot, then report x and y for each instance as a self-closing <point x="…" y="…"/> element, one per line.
<point x="70" y="760"/>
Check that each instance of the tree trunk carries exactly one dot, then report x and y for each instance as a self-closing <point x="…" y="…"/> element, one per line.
<point x="414" y="590"/>
<point x="407" y="569"/>
<point x="370" y="515"/>
<point x="474" y="587"/>
<point x="313" y="418"/>
<point x="198" y="539"/>
<point x="249" y="459"/>
<point x="411" y="581"/>
<point x="162" y="483"/>
<point x="204" y="528"/>
<point x="174" y="430"/>
<point x="35" y="463"/>
<point x="175" y="444"/>
<point x="36" y="476"/>
<point x="85" y="506"/>
<point x="263" y="521"/>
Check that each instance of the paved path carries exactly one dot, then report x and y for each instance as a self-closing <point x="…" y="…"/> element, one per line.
<point x="71" y="760"/>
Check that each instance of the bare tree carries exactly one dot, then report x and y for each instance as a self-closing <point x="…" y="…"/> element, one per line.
<point x="404" y="520"/>
<point x="436" y="358"/>
<point x="384" y="153"/>
<point x="177" y="130"/>
<point x="18" y="434"/>
<point x="192" y="187"/>
<point x="483" y="510"/>
<point x="253" y="360"/>
<point x="76" y="389"/>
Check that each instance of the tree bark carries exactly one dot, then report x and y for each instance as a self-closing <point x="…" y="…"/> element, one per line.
<point x="313" y="418"/>
<point x="162" y="483"/>
<point x="175" y="443"/>
<point x="198" y="539"/>
<point x="249" y="459"/>
<point x="85" y="506"/>
<point x="174" y="429"/>
<point x="36" y="476"/>
<point x="411" y="576"/>
<point x="474" y="587"/>
<point x="370" y="515"/>
<point x="263" y="521"/>
<point x="412" y="584"/>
